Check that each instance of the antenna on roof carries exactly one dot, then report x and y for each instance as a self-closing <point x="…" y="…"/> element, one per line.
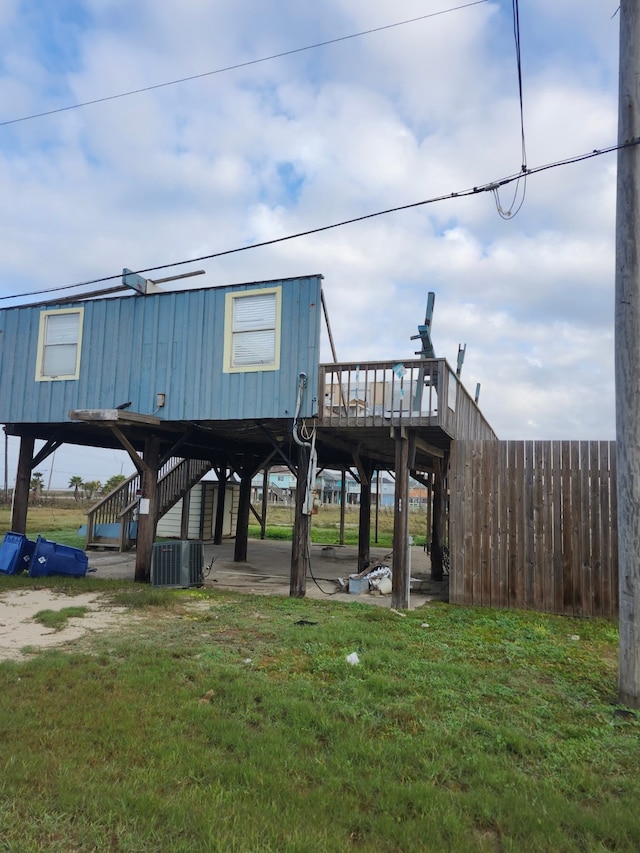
<point x="461" y="351"/>
<point x="424" y="331"/>
<point x="427" y="351"/>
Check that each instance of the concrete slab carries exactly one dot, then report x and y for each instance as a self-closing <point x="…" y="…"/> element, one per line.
<point x="267" y="571"/>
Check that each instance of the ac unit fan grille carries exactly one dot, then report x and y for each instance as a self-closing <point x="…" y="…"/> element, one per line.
<point x="177" y="564"/>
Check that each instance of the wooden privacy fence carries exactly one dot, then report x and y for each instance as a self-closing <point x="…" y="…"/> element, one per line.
<point x="533" y="525"/>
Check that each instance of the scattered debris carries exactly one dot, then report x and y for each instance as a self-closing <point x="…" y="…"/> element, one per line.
<point x="382" y="585"/>
<point x="624" y="713"/>
<point x="369" y="579"/>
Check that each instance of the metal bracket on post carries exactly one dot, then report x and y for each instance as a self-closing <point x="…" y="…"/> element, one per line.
<point x="427" y="351"/>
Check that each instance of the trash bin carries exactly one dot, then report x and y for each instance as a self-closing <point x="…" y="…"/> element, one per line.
<point x="15" y="553"/>
<point x="51" y="558"/>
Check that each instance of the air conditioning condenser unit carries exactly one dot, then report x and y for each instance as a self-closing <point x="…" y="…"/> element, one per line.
<point x="177" y="564"/>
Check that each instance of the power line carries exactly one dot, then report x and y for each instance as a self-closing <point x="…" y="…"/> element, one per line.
<point x="239" y="65"/>
<point x="492" y="187"/>
<point x="510" y="212"/>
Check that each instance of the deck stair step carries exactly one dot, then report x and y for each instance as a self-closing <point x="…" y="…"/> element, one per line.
<point x="112" y="522"/>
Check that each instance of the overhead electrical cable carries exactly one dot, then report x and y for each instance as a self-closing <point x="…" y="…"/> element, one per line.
<point x="239" y="65"/>
<point x="510" y="212"/>
<point x="482" y="188"/>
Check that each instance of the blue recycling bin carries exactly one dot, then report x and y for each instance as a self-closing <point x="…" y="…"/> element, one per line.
<point x="15" y="553"/>
<point x="51" y="558"/>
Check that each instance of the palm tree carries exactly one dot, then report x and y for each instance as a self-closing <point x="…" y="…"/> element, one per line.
<point x="90" y="488"/>
<point x="36" y="485"/>
<point x="113" y="483"/>
<point x="76" y="484"/>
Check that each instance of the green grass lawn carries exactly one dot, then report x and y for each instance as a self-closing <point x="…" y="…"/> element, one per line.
<point x="221" y="721"/>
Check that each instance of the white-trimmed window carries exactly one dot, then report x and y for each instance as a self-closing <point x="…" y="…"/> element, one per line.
<point x="59" y="342"/>
<point x="252" y="330"/>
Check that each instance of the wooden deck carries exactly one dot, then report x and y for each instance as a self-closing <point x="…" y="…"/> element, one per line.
<point x="362" y="405"/>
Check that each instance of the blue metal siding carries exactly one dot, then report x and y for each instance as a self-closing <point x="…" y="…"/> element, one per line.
<point x="135" y="347"/>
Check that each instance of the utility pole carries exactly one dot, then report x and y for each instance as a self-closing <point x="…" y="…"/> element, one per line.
<point x="627" y="354"/>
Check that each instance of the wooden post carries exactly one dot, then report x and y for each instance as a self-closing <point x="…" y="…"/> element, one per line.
<point x="265" y="502"/>
<point x="6" y="465"/>
<point x="364" y="519"/>
<point x="437" y="535"/>
<point x="400" y="577"/>
<point x="23" y="478"/>
<point x="343" y="498"/>
<point x="627" y="355"/>
<point x="300" y="544"/>
<point x="242" y="525"/>
<point x="219" y="523"/>
<point x="147" y="512"/>
<point x="184" y="518"/>
<point x="377" y="505"/>
<point x="429" y="508"/>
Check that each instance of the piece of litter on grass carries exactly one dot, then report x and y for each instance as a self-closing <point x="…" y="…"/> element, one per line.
<point x="207" y="698"/>
<point x="574" y="637"/>
<point x="353" y="659"/>
<point x="247" y="660"/>
<point x="425" y="625"/>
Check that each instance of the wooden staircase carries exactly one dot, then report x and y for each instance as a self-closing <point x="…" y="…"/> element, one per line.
<point x="112" y="522"/>
<point x="277" y="491"/>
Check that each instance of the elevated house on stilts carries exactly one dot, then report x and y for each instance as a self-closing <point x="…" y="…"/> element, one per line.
<point x="230" y="379"/>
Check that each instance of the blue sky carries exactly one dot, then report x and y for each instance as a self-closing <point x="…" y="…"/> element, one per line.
<point x="305" y="140"/>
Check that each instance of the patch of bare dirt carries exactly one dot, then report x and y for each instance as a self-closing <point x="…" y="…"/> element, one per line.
<point x="19" y="631"/>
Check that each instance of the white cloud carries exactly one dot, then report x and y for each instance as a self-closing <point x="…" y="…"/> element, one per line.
<point x="303" y="141"/>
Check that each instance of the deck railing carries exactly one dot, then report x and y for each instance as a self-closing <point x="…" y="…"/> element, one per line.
<point x="414" y="392"/>
<point x="378" y="393"/>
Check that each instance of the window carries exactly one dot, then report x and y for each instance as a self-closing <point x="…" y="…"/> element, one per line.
<point x="59" y="344"/>
<point x="252" y="330"/>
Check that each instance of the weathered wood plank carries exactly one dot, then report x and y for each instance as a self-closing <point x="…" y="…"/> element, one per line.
<point x="595" y="473"/>
<point x="498" y="549"/>
<point x="576" y="530"/>
<point x="538" y="500"/>
<point x="476" y="463"/>
<point x="556" y="502"/>
<point x="586" y="573"/>
<point x="456" y="525"/>
<point x="519" y="474"/>
<point x="546" y="523"/>
<point x="468" y="501"/>
<point x="485" y="459"/>
<point x="509" y="478"/>
<point x="529" y="566"/>
<point x="606" y="573"/>
<point x="567" y="534"/>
